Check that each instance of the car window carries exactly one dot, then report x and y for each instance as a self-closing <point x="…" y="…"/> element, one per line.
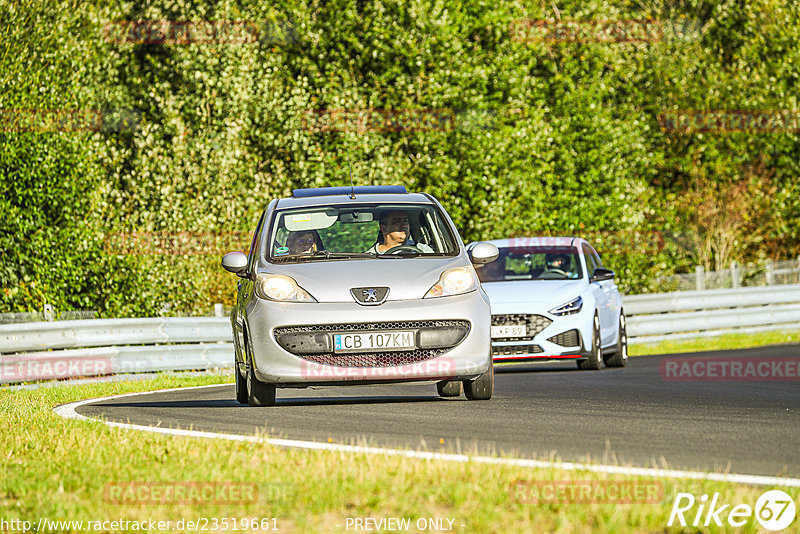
<point x="533" y="263"/>
<point x="592" y="260"/>
<point x="354" y="231"/>
<point x="596" y="257"/>
<point x="252" y="254"/>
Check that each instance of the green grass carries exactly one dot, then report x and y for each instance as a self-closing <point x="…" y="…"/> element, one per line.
<point x="724" y="342"/>
<point x="60" y="469"/>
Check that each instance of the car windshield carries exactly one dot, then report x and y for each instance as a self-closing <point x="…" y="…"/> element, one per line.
<point x="363" y="231"/>
<point x="533" y="263"/>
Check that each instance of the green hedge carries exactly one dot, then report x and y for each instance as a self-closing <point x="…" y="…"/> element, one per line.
<point x="558" y="135"/>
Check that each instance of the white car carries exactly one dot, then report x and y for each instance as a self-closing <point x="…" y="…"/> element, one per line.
<point x="552" y="299"/>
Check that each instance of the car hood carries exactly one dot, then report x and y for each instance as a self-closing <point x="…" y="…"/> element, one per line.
<point x="331" y="281"/>
<point x="546" y="293"/>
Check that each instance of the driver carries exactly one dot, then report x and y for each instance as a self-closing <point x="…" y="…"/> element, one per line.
<point x="394" y="232"/>
<point x="558" y="262"/>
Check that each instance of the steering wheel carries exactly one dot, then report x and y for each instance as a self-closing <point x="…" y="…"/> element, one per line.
<point x="402" y="248"/>
<point x="552" y="271"/>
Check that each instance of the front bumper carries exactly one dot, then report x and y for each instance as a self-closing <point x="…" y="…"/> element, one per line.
<point x="550" y="337"/>
<point x="274" y="327"/>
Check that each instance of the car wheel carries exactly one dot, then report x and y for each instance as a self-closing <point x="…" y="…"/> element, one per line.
<point x="482" y="387"/>
<point x="258" y="393"/>
<point x="449" y="388"/>
<point x="595" y="359"/>
<point x="620" y="356"/>
<point x="241" y="385"/>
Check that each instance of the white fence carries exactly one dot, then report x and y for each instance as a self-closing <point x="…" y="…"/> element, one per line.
<point x="768" y="273"/>
<point x="67" y="349"/>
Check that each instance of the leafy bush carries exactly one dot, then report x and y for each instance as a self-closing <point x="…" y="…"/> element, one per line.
<point x="516" y="135"/>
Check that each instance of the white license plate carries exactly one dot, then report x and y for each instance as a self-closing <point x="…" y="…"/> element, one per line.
<point x="373" y="341"/>
<point x="515" y="330"/>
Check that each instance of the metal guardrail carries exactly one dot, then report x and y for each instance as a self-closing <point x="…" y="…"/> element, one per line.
<point x="694" y="314"/>
<point x="69" y="349"/>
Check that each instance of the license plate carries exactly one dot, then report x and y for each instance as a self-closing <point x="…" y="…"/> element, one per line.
<point x="373" y="341"/>
<point x="515" y="330"/>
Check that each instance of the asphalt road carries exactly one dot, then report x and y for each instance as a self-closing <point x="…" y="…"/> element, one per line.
<point x="629" y="416"/>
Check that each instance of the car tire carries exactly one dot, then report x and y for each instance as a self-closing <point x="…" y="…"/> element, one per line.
<point x="241" y="385"/>
<point x="595" y="359"/>
<point x="449" y="388"/>
<point x="482" y="387"/>
<point x="620" y="356"/>
<point x="258" y="393"/>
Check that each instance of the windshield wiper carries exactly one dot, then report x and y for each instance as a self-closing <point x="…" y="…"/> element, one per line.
<point x="404" y="254"/>
<point x="323" y="254"/>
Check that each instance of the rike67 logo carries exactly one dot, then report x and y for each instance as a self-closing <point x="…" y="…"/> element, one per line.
<point x="775" y="510"/>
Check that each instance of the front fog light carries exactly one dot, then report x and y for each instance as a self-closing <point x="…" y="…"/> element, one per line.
<point x="281" y="288"/>
<point x="454" y="282"/>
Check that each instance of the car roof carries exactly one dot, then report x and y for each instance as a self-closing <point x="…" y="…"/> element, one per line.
<point x="554" y="241"/>
<point x="342" y="197"/>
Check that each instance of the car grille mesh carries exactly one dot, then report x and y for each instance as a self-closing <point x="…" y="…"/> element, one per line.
<point x="513" y="350"/>
<point x="372" y="359"/>
<point x="570" y="338"/>
<point x="534" y="323"/>
<point x="368" y="327"/>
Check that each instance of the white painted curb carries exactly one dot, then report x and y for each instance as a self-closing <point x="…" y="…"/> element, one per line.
<point x="68" y="411"/>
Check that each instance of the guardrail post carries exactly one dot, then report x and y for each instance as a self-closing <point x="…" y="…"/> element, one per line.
<point x="770" y="272"/>
<point x="700" y="277"/>
<point x="219" y="310"/>
<point x="735" y="274"/>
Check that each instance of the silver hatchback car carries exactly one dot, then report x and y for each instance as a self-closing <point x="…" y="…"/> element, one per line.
<point x="359" y="285"/>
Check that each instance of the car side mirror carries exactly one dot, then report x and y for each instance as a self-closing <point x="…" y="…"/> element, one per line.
<point x="484" y="253"/>
<point x="601" y="274"/>
<point x="235" y="262"/>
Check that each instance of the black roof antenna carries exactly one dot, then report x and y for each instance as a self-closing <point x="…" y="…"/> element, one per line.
<point x="352" y="187"/>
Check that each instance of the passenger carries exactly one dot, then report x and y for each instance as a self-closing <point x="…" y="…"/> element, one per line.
<point x="304" y="242"/>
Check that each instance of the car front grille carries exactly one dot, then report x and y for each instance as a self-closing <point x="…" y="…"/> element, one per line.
<point x="534" y="323"/>
<point x="570" y="338"/>
<point x="314" y="342"/>
<point x="513" y="350"/>
<point x="374" y="359"/>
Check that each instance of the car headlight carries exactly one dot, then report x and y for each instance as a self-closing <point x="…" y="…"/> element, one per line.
<point x="454" y="282"/>
<point x="573" y="306"/>
<point x="281" y="288"/>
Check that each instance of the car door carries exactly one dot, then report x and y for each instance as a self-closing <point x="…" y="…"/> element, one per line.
<point x="607" y="298"/>
<point x="244" y="287"/>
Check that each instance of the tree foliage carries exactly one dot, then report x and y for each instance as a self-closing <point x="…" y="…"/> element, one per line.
<point x="541" y="135"/>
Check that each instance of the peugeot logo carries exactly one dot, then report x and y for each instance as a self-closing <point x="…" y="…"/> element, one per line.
<point x="370" y="296"/>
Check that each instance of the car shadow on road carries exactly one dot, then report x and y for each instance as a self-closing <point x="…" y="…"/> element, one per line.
<point x="292" y="401"/>
<point x="558" y="367"/>
<point x="328" y="401"/>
